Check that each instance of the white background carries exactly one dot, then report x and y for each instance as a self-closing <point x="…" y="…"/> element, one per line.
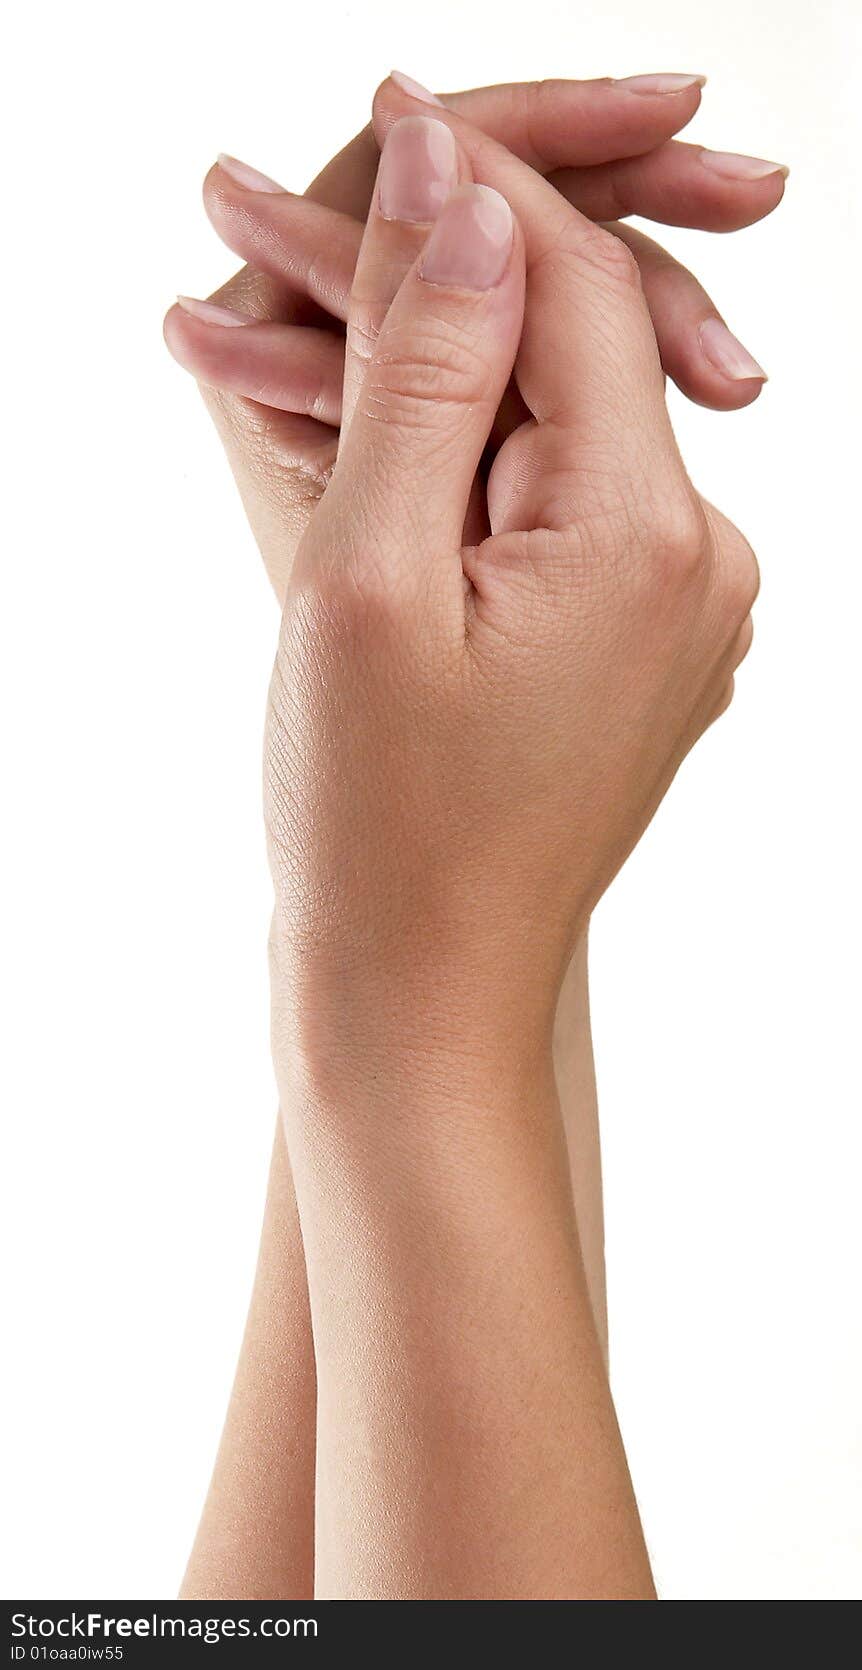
<point x="137" y="636"/>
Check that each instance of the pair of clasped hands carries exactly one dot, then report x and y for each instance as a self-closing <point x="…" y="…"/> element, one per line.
<point x="507" y="617"/>
<point x="508" y="614"/>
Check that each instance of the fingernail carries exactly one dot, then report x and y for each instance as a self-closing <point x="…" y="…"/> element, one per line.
<point x="734" y="167"/>
<point x="471" y="242"/>
<point x="414" y="88"/>
<point x="210" y="312"/>
<point x="418" y="169"/>
<point x="726" y="353"/>
<point x="650" y="84"/>
<point x="251" y="178"/>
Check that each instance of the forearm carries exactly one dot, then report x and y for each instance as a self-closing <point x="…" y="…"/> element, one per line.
<point x="467" y="1444"/>
<point x="256" y="1535"/>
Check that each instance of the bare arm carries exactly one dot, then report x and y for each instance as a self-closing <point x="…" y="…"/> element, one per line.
<point x="253" y="1447"/>
<point x="256" y="1535"/>
<point x="255" y="1540"/>
<point x="467" y="1444"/>
<point x="454" y="773"/>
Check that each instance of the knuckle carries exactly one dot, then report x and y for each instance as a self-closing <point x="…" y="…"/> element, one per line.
<point x="533" y="105"/>
<point x="740" y="580"/>
<point x="344" y="608"/>
<point x="607" y="256"/>
<point x="679" y="541"/>
<point x="724" y="701"/>
<point x="302" y="482"/>
<point x="413" y="379"/>
<point x="362" y="333"/>
<point x="294" y="478"/>
<point x="744" y="639"/>
<point x="745" y="580"/>
<point x="739" y="574"/>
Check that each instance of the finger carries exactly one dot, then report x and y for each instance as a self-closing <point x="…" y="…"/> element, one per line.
<point x="430" y="391"/>
<point x="306" y="246"/>
<point x="681" y="185"/>
<point x="643" y="112"/>
<point x="700" y="354"/>
<point x="343" y="189"/>
<point x="282" y="462"/>
<point x="549" y="124"/>
<point x="588" y="366"/>
<point x="292" y="368"/>
<point x="558" y="124"/>
<point x="316" y="251"/>
<point x="419" y="169"/>
<point x="310" y="250"/>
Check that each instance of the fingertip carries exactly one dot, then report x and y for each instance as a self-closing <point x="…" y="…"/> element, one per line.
<point x="387" y="105"/>
<point x="213" y="183"/>
<point x="709" y="364"/>
<point x="702" y="380"/>
<point x="717" y="394"/>
<point x="734" y="165"/>
<point x="218" y="201"/>
<point x="744" y="394"/>
<point x="777" y="184"/>
<point x="169" y="327"/>
<point x="399" y="95"/>
<point x="671" y="101"/>
<point x="420" y="166"/>
<point x="663" y="85"/>
<point x="413" y="89"/>
<point x="726" y="354"/>
<point x="471" y="243"/>
<point x="194" y="332"/>
<point x="177" y="331"/>
<point x="740" y="190"/>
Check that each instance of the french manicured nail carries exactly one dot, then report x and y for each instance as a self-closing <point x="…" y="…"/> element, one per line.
<point x="414" y="88"/>
<point x="418" y="169"/>
<point x="650" y="84"/>
<point x="251" y="178"/>
<point x="471" y="242"/>
<point x="733" y="167"/>
<point x="210" y="312"/>
<point x="727" y="354"/>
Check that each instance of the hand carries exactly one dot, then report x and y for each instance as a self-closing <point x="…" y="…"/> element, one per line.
<point x="606" y="147"/>
<point x="465" y="743"/>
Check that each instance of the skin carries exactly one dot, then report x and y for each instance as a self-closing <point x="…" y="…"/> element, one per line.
<point x="262" y="1478"/>
<point x="256" y="1535"/>
<point x="454" y="773"/>
<point x="569" y="131"/>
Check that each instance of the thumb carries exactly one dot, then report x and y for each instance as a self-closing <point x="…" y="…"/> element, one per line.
<point x="431" y="386"/>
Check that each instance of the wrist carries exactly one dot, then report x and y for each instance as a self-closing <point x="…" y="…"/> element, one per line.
<point x="431" y="1154"/>
<point x="442" y="1026"/>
